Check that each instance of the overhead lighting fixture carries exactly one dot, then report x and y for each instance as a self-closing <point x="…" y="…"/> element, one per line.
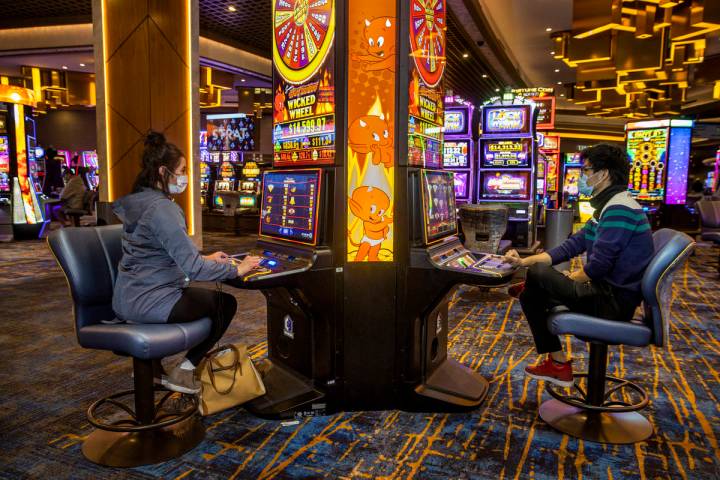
<point x="497" y="89"/>
<point x="557" y="70"/>
<point x="242" y="79"/>
<point x="232" y="9"/>
<point x="559" y="83"/>
<point x="548" y="29"/>
<point x="466" y="55"/>
<point x="484" y="75"/>
<point x="562" y="94"/>
<point x="552" y="53"/>
<point x="82" y="64"/>
<point x="64" y="67"/>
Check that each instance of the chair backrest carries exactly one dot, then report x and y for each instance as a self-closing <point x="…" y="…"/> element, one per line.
<point x="709" y="213"/>
<point x="671" y="251"/>
<point x="89" y="257"/>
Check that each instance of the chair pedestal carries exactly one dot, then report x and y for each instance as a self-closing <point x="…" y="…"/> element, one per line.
<point x="151" y="433"/>
<point x="601" y="427"/>
<point x="598" y="415"/>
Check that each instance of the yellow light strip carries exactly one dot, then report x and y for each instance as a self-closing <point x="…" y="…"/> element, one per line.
<point x="590" y="136"/>
<point x="190" y="203"/>
<point x="108" y="172"/>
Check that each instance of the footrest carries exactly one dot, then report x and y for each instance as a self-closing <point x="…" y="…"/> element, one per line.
<point x="455" y="384"/>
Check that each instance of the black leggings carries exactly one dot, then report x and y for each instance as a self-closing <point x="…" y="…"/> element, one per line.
<point x="546" y="288"/>
<point x="197" y="303"/>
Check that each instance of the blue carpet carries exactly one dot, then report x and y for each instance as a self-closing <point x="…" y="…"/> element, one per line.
<point x="47" y="381"/>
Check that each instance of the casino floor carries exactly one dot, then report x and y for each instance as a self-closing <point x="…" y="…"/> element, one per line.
<point x="48" y="381"/>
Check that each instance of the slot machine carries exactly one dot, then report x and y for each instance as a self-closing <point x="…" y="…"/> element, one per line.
<point x="507" y="168"/>
<point x="5" y="185"/>
<point x="458" y="150"/>
<point x="572" y="169"/>
<point x="550" y="150"/>
<point x="90" y="160"/>
<point x="248" y="186"/>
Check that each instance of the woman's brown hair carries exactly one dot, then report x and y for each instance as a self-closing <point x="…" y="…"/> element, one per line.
<point x="158" y="153"/>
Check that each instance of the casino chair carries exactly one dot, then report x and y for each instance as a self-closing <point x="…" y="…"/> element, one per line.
<point x="163" y="425"/>
<point x="605" y="410"/>
<point x="710" y="220"/>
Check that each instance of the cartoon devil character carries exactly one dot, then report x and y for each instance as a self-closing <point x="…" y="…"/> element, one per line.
<point x="279" y="108"/>
<point x="371" y="134"/>
<point x="370" y="205"/>
<point x="379" y="42"/>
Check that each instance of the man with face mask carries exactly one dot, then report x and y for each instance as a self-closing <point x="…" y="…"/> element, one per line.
<point x="619" y="246"/>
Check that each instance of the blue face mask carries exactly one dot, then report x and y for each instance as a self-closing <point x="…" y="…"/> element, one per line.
<point x="583" y="188"/>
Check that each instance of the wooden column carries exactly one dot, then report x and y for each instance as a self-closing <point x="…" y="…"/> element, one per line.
<point x="146" y="58"/>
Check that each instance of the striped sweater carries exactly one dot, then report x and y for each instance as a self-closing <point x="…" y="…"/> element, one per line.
<point x="619" y="246"/>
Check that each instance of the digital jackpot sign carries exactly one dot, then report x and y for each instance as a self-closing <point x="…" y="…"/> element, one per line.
<point x="506" y="119"/>
<point x="546" y="112"/>
<point x="647" y="150"/>
<point x="304" y="83"/>
<point x="456" y="121"/>
<point x="456" y="154"/>
<point x="290" y="205"/>
<point x="506" y="153"/>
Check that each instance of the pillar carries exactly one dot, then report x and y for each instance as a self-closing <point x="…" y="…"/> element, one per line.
<point x="146" y="59"/>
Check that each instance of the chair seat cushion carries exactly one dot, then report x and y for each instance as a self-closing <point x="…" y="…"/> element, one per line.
<point x="711" y="236"/>
<point x="145" y="341"/>
<point x="593" y="329"/>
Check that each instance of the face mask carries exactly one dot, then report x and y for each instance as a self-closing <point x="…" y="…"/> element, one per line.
<point x="583" y="188"/>
<point x="181" y="183"/>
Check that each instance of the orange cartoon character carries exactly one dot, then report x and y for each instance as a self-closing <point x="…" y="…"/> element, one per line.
<point x="279" y="108"/>
<point x="371" y="134"/>
<point x="370" y="205"/>
<point x="379" y="42"/>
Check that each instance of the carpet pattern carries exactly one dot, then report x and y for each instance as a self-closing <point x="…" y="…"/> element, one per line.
<point x="48" y="381"/>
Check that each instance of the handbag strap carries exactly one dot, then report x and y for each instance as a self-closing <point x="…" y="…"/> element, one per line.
<point x="235" y="366"/>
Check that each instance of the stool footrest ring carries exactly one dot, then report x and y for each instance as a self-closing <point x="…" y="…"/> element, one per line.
<point x="617" y="385"/>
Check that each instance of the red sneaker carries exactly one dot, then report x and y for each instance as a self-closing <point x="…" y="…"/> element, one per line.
<point x="560" y="374"/>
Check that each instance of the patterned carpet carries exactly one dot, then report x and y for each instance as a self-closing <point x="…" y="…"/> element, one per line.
<point x="47" y="382"/>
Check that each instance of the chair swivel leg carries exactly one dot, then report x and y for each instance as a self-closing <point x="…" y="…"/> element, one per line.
<point x="152" y="433"/>
<point x="596" y="417"/>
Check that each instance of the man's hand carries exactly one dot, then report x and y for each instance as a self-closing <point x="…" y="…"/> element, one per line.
<point x="220" y="257"/>
<point x="513" y="258"/>
<point x="579" y="276"/>
<point x="248" y="263"/>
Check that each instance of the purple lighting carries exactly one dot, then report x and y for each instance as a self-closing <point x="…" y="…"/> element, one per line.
<point x="677" y="175"/>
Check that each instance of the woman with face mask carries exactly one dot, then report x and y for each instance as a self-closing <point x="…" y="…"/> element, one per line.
<point x="160" y="260"/>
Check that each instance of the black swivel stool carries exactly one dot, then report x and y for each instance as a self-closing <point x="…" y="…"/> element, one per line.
<point x="599" y="412"/>
<point x="157" y="429"/>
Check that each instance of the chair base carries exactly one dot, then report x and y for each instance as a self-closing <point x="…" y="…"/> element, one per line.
<point x="600" y="427"/>
<point x="133" y="449"/>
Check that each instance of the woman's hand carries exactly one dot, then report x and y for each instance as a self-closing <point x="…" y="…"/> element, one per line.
<point x="220" y="257"/>
<point x="248" y="263"/>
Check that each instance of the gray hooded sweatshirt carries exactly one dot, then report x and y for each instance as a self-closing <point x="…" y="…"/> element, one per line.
<point x="159" y="259"/>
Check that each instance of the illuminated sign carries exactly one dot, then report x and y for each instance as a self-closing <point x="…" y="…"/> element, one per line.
<point x="506" y="153"/>
<point x="456" y="154"/>
<point x="647" y="150"/>
<point x="546" y="112"/>
<point x="510" y="119"/>
<point x="304" y="83"/>
<point x="551" y="143"/>
<point x="456" y="121"/>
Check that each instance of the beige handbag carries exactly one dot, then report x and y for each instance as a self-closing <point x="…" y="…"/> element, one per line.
<point x="228" y="379"/>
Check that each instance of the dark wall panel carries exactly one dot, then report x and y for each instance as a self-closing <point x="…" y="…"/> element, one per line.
<point x="67" y="129"/>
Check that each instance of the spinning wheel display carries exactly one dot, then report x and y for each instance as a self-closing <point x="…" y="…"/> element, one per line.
<point x="427" y="39"/>
<point x="303" y="32"/>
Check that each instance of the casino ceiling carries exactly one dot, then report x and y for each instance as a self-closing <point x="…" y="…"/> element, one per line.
<point x="474" y="70"/>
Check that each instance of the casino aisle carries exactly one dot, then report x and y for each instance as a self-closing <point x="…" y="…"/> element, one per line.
<point x="388" y="163"/>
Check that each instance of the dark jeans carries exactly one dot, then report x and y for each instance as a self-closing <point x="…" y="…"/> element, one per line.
<point x="197" y="303"/>
<point x="546" y="288"/>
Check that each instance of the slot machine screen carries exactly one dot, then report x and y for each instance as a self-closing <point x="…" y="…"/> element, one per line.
<point x="506" y="119"/>
<point x="570" y="183"/>
<point x="505" y="185"/>
<point x="4" y="164"/>
<point x="438" y="194"/>
<point x="457" y="122"/>
<point x="290" y="205"/>
<point x="461" y="182"/>
<point x="647" y="150"/>
<point x="456" y="154"/>
<point x="506" y="153"/>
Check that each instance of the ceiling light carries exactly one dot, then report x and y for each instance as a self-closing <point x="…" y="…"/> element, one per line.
<point x="242" y="79"/>
<point x="559" y="83"/>
<point x="484" y="75"/>
<point x="548" y="29"/>
<point x="552" y="53"/>
<point x="497" y="89"/>
<point x="232" y="9"/>
<point x="82" y="64"/>
<point x="466" y="55"/>
<point x="557" y="70"/>
<point x="562" y="94"/>
<point x="64" y="67"/>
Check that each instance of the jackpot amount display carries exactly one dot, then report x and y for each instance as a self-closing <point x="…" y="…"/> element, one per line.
<point x="455" y="154"/>
<point x="647" y="150"/>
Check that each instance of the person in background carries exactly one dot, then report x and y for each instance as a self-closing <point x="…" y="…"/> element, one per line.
<point x="160" y="260"/>
<point x="72" y="196"/>
<point x="619" y="246"/>
<point x="53" y="173"/>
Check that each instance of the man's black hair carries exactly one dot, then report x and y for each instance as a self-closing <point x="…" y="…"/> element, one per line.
<point x="612" y="158"/>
